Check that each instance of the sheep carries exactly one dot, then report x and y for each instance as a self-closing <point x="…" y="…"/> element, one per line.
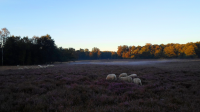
<point x="45" y="66"/>
<point x="133" y="75"/>
<point x="137" y="81"/>
<point x="111" y="77"/>
<point x="127" y="79"/>
<point x="123" y="75"/>
<point x="41" y="66"/>
<point x="26" y="67"/>
<point x="49" y="65"/>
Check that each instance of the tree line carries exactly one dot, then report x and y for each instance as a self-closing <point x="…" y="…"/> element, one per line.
<point x="171" y="50"/>
<point x="149" y="51"/>
<point x="31" y="51"/>
<point x="15" y="50"/>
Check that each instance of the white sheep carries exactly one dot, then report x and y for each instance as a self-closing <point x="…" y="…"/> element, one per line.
<point x="133" y="75"/>
<point x="111" y="77"/>
<point x="127" y="79"/>
<point x="43" y="66"/>
<point x="26" y="67"/>
<point x="123" y="75"/>
<point x="137" y="81"/>
<point x="40" y="66"/>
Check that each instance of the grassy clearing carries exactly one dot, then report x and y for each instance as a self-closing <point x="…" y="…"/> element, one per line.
<point x="166" y="87"/>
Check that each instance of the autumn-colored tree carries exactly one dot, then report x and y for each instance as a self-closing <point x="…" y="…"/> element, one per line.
<point x="190" y="51"/>
<point x="91" y="54"/>
<point x="125" y="48"/>
<point x="113" y="55"/>
<point x="132" y="51"/>
<point x="95" y="53"/>
<point x="170" y="51"/>
<point x="158" y="51"/>
<point x="135" y="53"/>
<point x="127" y="55"/>
<point x="99" y="54"/>
<point x="123" y="55"/>
<point x="179" y="50"/>
<point x="119" y="51"/>
<point x="145" y="51"/>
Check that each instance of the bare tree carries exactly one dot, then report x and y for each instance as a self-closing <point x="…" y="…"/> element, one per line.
<point x="3" y="34"/>
<point x="1" y="44"/>
<point x="0" y="39"/>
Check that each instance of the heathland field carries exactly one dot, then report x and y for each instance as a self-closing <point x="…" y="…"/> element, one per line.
<point x="168" y="85"/>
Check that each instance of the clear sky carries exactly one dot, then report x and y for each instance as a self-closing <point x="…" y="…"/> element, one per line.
<point x="105" y="24"/>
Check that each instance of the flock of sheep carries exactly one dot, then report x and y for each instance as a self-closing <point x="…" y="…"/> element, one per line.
<point x="125" y="77"/>
<point x="32" y="67"/>
<point x="45" y="66"/>
<point x="122" y="76"/>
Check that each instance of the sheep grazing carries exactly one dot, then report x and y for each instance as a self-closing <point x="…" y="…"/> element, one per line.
<point x="111" y="77"/>
<point x="123" y="75"/>
<point x="44" y="66"/>
<point x="133" y="75"/>
<point x="26" y="67"/>
<point x="127" y="79"/>
<point x="137" y="81"/>
<point x="41" y="66"/>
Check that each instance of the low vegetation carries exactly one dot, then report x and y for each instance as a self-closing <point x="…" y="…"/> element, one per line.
<point x="166" y="87"/>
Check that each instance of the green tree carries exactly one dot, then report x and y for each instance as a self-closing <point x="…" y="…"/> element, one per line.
<point x="47" y="48"/>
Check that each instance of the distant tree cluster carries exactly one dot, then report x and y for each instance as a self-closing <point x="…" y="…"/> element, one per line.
<point x="149" y="51"/>
<point x="189" y="50"/>
<point x="85" y="54"/>
<point x="28" y="51"/>
<point x="15" y="50"/>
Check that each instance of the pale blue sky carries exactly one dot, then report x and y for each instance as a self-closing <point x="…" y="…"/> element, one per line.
<point x="105" y="24"/>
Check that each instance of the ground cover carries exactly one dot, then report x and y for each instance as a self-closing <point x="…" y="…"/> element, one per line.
<point x="172" y="86"/>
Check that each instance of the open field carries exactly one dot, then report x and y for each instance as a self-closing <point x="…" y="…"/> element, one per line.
<point x="168" y="85"/>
